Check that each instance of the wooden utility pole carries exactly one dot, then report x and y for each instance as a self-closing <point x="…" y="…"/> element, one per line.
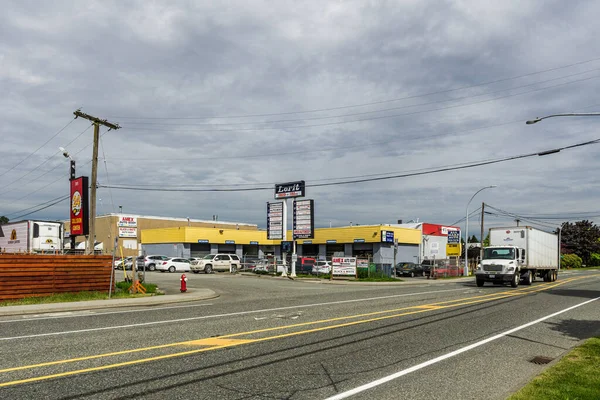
<point x="481" y="235"/>
<point x="97" y="122"/>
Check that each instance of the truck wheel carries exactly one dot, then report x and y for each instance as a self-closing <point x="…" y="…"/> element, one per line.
<point x="554" y="276"/>
<point x="515" y="280"/>
<point x="479" y="282"/>
<point x="208" y="269"/>
<point x="548" y="276"/>
<point x="529" y="278"/>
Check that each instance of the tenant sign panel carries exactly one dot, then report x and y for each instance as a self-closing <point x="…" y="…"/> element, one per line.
<point x="304" y="219"/>
<point x="275" y="221"/>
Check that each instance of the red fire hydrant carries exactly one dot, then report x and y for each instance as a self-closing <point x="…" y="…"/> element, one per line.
<point x="183" y="288"/>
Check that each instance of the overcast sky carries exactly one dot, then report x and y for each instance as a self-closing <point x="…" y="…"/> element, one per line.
<point x="250" y="93"/>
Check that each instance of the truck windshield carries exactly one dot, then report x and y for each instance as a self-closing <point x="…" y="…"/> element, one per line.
<point x="499" y="254"/>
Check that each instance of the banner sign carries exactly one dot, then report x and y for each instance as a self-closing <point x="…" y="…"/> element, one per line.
<point x="304" y="219"/>
<point x="127" y="232"/>
<point x="275" y="221"/>
<point x="79" y="207"/>
<point x="344" y="265"/>
<point x="290" y="189"/>
<point x="127" y="221"/>
<point x="362" y="263"/>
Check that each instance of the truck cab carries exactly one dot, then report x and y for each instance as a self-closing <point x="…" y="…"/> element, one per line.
<point x="500" y="264"/>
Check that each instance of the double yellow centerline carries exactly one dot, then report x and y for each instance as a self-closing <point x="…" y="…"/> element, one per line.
<point x="231" y="340"/>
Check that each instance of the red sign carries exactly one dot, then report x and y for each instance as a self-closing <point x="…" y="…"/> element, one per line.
<point x="79" y="206"/>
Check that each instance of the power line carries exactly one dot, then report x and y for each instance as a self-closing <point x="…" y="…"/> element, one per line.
<point x="353" y="181"/>
<point x="48" y="159"/>
<point x="371" y="103"/>
<point x="36" y="206"/>
<point x="375" y="111"/>
<point x="43" y="208"/>
<point x="48" y="141"/>
<point x="369" y="118"/>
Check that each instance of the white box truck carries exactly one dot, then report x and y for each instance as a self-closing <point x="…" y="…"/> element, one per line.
<point x="31" y="237"/>
<point x="519" y="253"/>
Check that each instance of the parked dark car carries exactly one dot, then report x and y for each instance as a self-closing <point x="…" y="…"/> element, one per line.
<point x="409" y="269"/>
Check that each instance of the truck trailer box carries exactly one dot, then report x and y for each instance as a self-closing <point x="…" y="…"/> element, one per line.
<point x="541" y="248"/>
<point x="31" y="237"/>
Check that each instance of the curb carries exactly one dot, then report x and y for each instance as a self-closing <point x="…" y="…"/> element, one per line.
<point x="151" y="301"/>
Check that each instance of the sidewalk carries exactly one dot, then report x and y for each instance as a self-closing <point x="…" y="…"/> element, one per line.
<point x="190" y="295"/>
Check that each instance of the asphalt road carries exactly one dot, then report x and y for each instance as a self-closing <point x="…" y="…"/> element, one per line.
<point x="267" y="338"/>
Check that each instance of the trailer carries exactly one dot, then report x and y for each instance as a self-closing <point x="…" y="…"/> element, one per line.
<point x="31" y="237"/>
<point x="519" y="254"/>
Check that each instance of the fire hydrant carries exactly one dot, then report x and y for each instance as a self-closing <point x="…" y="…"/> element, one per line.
<point x="183" y="288"/>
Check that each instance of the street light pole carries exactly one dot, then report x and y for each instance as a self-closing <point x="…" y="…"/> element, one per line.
<point x="538" y="119"/>
<point x="466" y="269"/>
<point x="71" y="177"/>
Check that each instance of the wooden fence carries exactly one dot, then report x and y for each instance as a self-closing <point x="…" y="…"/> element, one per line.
<point x="28" y="275"/>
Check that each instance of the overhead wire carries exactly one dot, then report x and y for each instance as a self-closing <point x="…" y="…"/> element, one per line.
<point x="374" y="111"/>
<point x="36" y="168"/>
<point x="364" y="119"/>
<point x="375" y="102"/>
<point x="371" y="179"/>
<point x="36" y="150"/>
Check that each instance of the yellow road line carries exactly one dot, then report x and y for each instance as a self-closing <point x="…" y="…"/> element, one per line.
<point x="157" y="347"/>
<point x="222" y="342"/>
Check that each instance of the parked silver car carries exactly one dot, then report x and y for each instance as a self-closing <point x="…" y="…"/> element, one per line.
<point x="150" y="262"/>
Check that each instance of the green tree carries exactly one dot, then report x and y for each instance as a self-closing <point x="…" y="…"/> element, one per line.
<point x="486" y="241"/>
<point x="473" y="239"/>
<point x="569" y="261"/>
<point x="3" y="220"/>
<point x="580" y="238"/>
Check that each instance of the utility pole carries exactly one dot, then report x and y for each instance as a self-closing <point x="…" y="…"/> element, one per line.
<point x="97" y="122"/>
<point x="481" y="235"/>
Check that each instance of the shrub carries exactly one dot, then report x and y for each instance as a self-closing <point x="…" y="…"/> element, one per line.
<point x="594" y="260"/>
<point x="571" y="261"/>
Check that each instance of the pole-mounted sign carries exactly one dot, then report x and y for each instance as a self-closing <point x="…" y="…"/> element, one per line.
<point x="79" y="206"/>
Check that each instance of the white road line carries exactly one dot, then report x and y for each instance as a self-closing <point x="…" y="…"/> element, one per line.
<point x="407" y="371"/>
<point x="170" y="321"/>
<point x="91" y="313"/>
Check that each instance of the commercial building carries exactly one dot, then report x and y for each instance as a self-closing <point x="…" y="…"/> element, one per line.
<point x="384" y="244"/>
<point x="126" y="229"/>
<point x="434" y="239"/>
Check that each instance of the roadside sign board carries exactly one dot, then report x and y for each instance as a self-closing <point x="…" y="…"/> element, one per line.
<point x="454" y="236"/>
<point x="275" y="221"/>
<point x="453" y="249"/>
<point x="344" y="265"/>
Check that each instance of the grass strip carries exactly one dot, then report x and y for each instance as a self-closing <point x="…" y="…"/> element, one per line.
<point x="575" y="377"/>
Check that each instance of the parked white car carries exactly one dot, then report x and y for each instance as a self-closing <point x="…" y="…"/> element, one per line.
<point x="321" y="268"/>
<point x="174" y="264"/>
<point x="216" y="262"/>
